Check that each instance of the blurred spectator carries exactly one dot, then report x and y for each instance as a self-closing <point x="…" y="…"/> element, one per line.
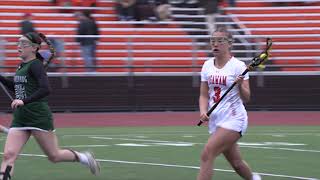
<point x="55" y="2"/>
<point x="87" y="26"/>
<point x="58" y="45"/>
<point x="153" y="10"/>
<point x="89" y="3"/>
<point x="184" y="3"/>
<point x="279" y="3"/>
<point x="126" y="10"/>
<point x="85" y="3"/>
<point x="72" y="3"/>
<point x="232" y="3"/>
<point x="26" y="24"/>
<point x="163" y="10"/>
<point x="293" y="3"/>
<point x="211" y="8"/>
<point x="64" y="3"/>
<point x="146" y="10"/>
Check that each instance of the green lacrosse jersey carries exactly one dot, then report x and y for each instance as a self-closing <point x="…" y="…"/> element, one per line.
<point x="35" y="113"/>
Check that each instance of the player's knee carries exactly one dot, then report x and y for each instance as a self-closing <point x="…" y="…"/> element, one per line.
<point x="207" y="155"/>
<point x="10" y="156"/>
<point x="204" y="156"/>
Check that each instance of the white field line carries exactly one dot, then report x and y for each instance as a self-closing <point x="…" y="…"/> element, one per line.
<point x="191" y="134"/>
<point x="242" y="146"/>
<point x="164" y="133"/>
<point x="185" y="144"/>
<point x="141" y="140"/>
<point x="289" y="131"/>
<point x="180" y="166"/>
<point x="177" y="142"/>
<point x="285" y="149"/>
<point x="196" y="167"/>
<point x="285" y="134"/>
<point x="87" y="146"/>
<point x="135" y="135"/>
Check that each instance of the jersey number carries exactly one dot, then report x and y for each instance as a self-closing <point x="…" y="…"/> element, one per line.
<point x="217" y="91"/>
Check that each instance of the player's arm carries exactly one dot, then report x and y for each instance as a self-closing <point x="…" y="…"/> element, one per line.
<point x="38" y="72"/>
<point x="203" y="100"/>
<point x="244" y="89"/>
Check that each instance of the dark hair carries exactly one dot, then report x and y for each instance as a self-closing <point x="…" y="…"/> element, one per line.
<point x="33" y="37"/>
<point x="36" y="39"/>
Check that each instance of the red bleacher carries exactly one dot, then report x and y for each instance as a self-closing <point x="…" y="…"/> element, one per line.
<point x="300" y="49"/>
<point x="110" y="15"/>
<point x="287" y="14"/>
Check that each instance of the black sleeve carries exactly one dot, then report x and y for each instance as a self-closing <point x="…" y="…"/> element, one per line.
<point x="38" y="72"/>
<point x="8" y="83"/>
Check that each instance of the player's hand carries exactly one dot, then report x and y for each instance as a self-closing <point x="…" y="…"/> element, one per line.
<point x="239" y="79"/>
<point x="204" y="117"/>
<point x="16" y="103"/>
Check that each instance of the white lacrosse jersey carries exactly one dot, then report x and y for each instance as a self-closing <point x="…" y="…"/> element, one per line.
<point x="231" y="108"/>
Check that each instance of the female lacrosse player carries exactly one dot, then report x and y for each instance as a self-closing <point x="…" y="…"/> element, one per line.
<point x="228" y="122"/>
<point x="4" y="129"/>
<point x="32" y="115"/>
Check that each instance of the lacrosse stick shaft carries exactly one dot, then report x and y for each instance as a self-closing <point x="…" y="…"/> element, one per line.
<point x="6" y="91"/>
<point x="7" y="175"/>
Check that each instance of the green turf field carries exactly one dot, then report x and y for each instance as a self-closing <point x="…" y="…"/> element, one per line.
<point x="172" y="153"/>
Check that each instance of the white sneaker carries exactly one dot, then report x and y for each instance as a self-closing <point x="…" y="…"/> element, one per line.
<point x="256" y="177"/>
<point x="93" y="165"/>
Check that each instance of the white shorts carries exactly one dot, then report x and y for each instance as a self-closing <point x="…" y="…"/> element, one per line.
<point x="238" y="125"/>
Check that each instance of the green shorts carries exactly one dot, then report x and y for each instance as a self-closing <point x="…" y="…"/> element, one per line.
<point x="36" y="115"/>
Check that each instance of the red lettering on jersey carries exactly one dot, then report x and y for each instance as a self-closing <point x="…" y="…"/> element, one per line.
<point x="221" y="80"/>
<point x="224" y="80"/>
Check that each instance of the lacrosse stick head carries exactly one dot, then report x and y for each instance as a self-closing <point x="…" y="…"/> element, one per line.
<point x="263" y="57"/>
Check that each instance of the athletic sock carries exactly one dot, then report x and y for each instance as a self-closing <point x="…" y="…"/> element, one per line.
<point x="83" y="159"/>
<point x="256" y="176"/>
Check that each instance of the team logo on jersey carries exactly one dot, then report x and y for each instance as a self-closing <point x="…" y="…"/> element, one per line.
<point x="20" y="79"/>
